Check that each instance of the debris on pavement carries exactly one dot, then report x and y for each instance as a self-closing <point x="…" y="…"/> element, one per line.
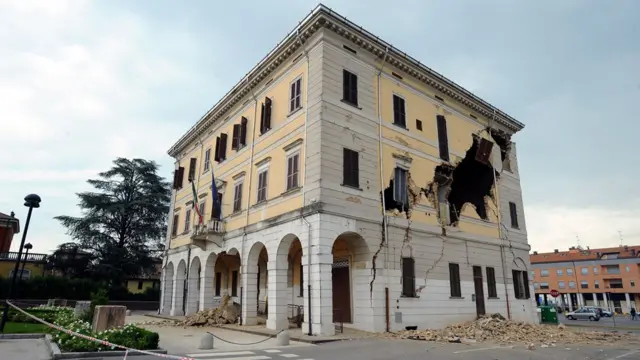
<point x="226" y="313"/>
<point x="496" y="329"/>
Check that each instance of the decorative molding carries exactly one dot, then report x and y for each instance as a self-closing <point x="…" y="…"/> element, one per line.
<point x="263" y="161"/>
<point x="292" y="145"/>
<point x="203" y="195"/>
<point x="239" y="175"/>
<point x="323" y="17"/>
<point x="189" y="203"/>
<point x="175" y="210"/>
<point x="403" y="158"/>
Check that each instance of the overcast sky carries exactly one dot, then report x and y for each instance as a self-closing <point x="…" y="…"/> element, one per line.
<point x="82" y="82"/>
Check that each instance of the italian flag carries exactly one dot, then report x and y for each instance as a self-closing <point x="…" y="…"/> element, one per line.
<point x="195" y="202"/>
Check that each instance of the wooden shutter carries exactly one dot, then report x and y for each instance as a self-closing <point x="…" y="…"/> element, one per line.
<point x="175" y="179"/>
<point x="525" y="278"/>
<point x="513" y="212"/>
<point x="408" y="277"/>
<point x="443" y="139"/>
<point x="180" y="176"/>
<point x="267" y="115"/>
<point x="454" y="280"/>
<point x="192" y="169"/>
<point x="491" y="283"/>
<point x="516" y="284"/>
<point x="223" y="147"/>
<point x="483" y="153"/>
<point x="351" y="168"/>
<point x="235" y="139"/>
<point x="216" y="155"/>
<point x="243" y="132"/>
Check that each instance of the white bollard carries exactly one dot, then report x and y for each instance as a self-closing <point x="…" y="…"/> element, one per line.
<point x="283" y="338"/>
<point x="206" y="342"/>
<point x="128" y="313"/>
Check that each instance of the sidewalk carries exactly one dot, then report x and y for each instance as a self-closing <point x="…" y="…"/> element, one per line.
<point x="296" y="334"/>
<point x="24" y="349"/>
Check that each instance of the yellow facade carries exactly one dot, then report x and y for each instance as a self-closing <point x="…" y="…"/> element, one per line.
<point x="140" y="286"/>
<point x="6" y="267"/>
<point x="286" y="128"/>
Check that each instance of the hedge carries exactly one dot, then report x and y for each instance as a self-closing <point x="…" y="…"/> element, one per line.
<point x="55" y="287"/>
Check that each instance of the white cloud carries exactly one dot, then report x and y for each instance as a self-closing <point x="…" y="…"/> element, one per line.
<point x="556" y="227"/>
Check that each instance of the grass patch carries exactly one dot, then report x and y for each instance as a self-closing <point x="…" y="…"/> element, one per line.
<point x="24" y="328"/>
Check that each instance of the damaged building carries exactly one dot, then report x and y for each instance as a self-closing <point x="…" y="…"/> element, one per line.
<point x="342" y="182"/>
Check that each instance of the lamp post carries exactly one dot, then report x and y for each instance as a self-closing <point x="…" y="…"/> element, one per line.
<point x="31" y="201"/>
<point x="28" y="247"/>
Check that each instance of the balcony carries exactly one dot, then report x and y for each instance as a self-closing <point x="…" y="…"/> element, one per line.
<point x="211" y="232"/>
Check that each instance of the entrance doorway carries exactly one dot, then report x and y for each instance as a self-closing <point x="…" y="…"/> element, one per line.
<point x="341" y="291"/>
<point x="479" y="290"/>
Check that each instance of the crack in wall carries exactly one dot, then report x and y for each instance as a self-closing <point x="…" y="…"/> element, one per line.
<point x="375" y="255"/>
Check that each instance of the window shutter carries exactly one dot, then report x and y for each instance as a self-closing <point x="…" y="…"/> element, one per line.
<point x="243" y="131"/>
<point x="516" y="284"/>
<point x="355" y="169"/>
<point x="223" y="146"/>
<point x="192" y="169"/>
<point x="443" y="140"/>
<point x="345" y="85"/>
<point x="175" y="179"/>
<point x="408" y="277"/>
<point x="483" y="153"/>
<point x="235" y="140"/>
<point x="525" y="277"/>
<point x="267" y="114"/>
<point x="216" y="155"/>
<point x="180" y="176"/>
<point x="346" y="167"/>
<point x="262" y="114"/>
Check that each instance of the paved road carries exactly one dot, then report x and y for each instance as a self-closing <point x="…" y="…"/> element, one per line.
<point x="623" y="322"/>
<point x="380" y="349"/>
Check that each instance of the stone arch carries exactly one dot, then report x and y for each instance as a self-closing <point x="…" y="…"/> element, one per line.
<point x="227" y="274"/>
<point x="287" y="283"/>
<point x="193" y="286"/>
<point x="517" y="261"/>
<point x="207" y="285"/>
<point x="255" y="287"/>
<point x="168" y="288"/>
<point x="351" y="257"/>
<point x="179" y="285"/>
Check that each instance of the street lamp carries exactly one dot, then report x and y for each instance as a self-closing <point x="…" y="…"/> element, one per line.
<point x="27" y="246"/>
<point x="31" y="201"/>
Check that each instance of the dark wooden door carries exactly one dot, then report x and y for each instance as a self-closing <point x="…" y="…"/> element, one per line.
<point x="479" y="288"/>
<point x="341" y="292"/>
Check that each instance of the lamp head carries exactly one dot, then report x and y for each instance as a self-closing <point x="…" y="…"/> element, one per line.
<point x="32" y="201"/>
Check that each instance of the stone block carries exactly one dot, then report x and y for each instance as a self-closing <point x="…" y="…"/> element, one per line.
<point x="206" y="342"/>
<point x="108" y="316"/>
<point x="81" y="308"/>
<point x="57" y="302"/>
<point x="283" y="338"/>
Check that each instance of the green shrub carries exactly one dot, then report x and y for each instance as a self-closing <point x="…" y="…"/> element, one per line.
<point x="46" y="313"/>
<point x="98" y="298"/>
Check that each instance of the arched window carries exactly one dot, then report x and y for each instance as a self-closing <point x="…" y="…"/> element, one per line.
<point x="22" y="274"/>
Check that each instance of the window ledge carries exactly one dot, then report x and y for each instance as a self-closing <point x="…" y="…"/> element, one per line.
<point x="456" y="297"/>
<point x="409" y="297"/>
<point x="291" y="191"/>
<point x="493" y="298"/>
<point x="265" y="132"/>
<point x="404" y="127"/>
<point x="351" y="104"/>
<point x="291" y="113"/>
<point x="235" y="213"/>
<point x="352" y="187"/>
<point x="260" y="203"/>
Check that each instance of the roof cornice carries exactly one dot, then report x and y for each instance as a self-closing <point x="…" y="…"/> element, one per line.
<point x="323" y="17"/>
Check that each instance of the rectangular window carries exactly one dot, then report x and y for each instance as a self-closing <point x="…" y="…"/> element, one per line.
<point x="443" y="137"/>
<point x="595" y="270"/>
<point x="178" y="177"/>
<point x="569" y="271"/>
<point x="514" y="215"/>
<point x="239" y="139"/>
<point x="399" y="112"/>
<point x="216" y="208"/>
<point x="187" y="221"/>
<point x="584" y="284"/>
<point x="544" y="286"/>
<point x="221" y="148"/>
<point x="202" y="209"/>
<point x="544" y="273"/>
<point x="234" y="283"/>
<point x="262" y="185"/>
<point x="454" y="280"/>
<point x="584" y="271"/>
<point x="596" y="284"/>
<point x="572" y="284"/>
<point x="491" y="283"/>
<point x="295" y="95"/>
<point x="174" y="225"/>
<point x="633" y="283"/>
<point x="559" y="272"/>
<point x="521" y="284"/>
<point x="207" y="160"/>
<point x="408" y="277"/>
<point x="350" y="168"/>
<point x="293" y="171"/>
<point x="218" y="283"/>
<point x="265" y="116"/>
<point x="192" y="169"/>
<point x="237" y="197"/>
<point x="419" y="124"/>
<point x="400" y="190"/>
<point x="561" y="284"/>
<point x="350" y="87"/>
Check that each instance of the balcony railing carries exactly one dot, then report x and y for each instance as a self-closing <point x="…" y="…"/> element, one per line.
<point x="13" y="255"/>
<point x="212" y="231"/>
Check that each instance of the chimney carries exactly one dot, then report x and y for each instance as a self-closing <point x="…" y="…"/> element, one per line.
<point x="555" y="251"/>
<point x="535" y="253"/>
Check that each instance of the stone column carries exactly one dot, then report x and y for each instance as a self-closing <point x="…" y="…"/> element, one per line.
<point x="178" y="293"/>
<point x="321" y="292"/>
<point x="206" y="290"/>
<point x="580" y="299"/>
<point x="606" y="302"/>
<point x="570" y="302"/>
<point x="277" y="296"/>
<point x="250" y="294"/>
<point x="193" y="293"/>
<point x="595" y="299"/>
<point x="627" y="301"/>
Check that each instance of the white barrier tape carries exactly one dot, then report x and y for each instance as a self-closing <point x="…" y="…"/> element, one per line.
<point x="103" y="342"/>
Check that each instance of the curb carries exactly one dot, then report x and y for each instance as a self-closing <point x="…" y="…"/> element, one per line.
<point x="163" y="317"/>
<point x="56" y="354"/>
<point x="21" y="336"/>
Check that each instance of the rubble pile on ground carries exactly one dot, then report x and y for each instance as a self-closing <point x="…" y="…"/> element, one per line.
<point x="226" y="313"/>
<point x="497" y="329"/>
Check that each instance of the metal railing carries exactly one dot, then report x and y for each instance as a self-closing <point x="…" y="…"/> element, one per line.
<point x="297" y="314"/>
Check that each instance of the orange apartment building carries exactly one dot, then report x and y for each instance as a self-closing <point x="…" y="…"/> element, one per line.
<point x="608" y="277"/>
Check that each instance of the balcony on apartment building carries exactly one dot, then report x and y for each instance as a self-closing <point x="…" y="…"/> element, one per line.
<point x="211" y="231"/>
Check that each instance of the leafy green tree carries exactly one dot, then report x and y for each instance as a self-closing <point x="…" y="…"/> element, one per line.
<point x="124" y="221"/>
<point x="69" y="260"/>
